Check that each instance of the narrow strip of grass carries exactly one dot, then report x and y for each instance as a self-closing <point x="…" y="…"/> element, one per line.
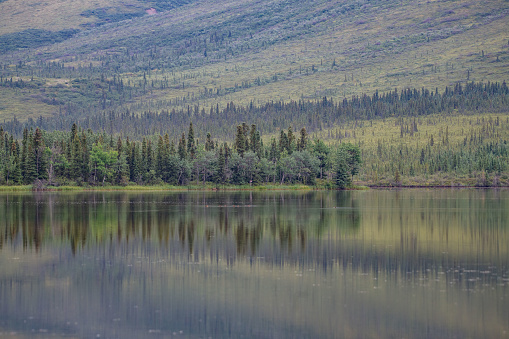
<point x="15" y="188"/>
<point x="206" y="187"/>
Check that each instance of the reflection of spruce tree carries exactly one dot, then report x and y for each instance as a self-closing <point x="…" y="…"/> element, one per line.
<point x="181" y="232"/>
<point x="285" y="236"/>
<point x="256" y="236"/>
<point x="348" y="215"/>
<point x="190" y="236"/>
<point x="241" y="235"/>
<point x="301" y="234"/>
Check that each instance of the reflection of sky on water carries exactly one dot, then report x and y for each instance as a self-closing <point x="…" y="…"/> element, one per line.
<point x="264" y="264"/>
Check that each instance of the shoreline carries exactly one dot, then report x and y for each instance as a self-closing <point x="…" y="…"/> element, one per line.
<point x="136" y="188"/>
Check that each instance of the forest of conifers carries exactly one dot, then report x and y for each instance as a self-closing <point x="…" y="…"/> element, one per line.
<point x="194" y="146"/>
<point x="83" y="157"/>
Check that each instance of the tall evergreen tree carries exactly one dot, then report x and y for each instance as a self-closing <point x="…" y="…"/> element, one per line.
<point x="303" y="140"/>
<point x="291" y="141"/>
<point x="38" y="155"/>
<point x="191" y="145"/>
<point x="240" y="141"/>
<point x="182" y="150"/>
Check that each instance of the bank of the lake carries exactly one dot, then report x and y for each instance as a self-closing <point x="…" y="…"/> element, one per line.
<point x="208" y="187"/>
<point x="271" y="187"/>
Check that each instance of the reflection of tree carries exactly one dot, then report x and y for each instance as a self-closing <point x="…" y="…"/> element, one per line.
<point x="130" y="217"/>
<point x="190" y="235"/>
<point x="267" y="225"/>
<point x="286" y="236"/>
<point x="349" y="217"/>
<point x="248" y="237"/>
<point x="182" y="231"/>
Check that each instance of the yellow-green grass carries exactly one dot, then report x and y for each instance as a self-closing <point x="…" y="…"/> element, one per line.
<point x="19" y="15"/>
<point x="437" y="63"/>
<point x="449" y="133"/>
<point x="23" y="104"/>
<point x="191" y="187"/>
<point x="377" y="50"/>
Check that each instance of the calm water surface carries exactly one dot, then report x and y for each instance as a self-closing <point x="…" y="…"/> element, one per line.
<point x="370" y="264"/>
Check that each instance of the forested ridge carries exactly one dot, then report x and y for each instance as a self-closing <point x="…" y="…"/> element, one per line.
<point x="200" y="147"/>
<point x="272" y="116"/>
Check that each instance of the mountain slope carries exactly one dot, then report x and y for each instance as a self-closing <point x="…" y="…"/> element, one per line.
<point x="209" y="53"/>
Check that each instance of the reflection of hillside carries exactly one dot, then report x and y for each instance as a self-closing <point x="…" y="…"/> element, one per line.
<point x="215" y="264"/>
<point x="388" y="231"/>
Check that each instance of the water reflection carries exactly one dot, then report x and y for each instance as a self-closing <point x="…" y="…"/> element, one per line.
<point x="424" y="263"/>
<point x="101" y="217"/>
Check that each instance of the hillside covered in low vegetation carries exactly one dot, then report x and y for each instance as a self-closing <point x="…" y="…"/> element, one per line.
<point x="88" y="59"/>
<point x="417" y="87"/>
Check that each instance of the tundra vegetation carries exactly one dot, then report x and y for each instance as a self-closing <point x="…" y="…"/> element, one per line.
<point x="417" y="86"/>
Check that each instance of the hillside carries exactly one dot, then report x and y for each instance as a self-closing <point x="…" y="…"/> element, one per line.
<point x="208" y="53"/>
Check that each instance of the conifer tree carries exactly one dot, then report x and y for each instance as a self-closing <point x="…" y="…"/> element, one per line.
<point x="221" y="164"/>
<point x="240" y="141"/>
<point x="16" y="176"/>
<point x="24" y="153"/>
<point x="191" y="145"/>
<point x="274" y="151"/>
<point x="283" y="142"/>
<point x="209" y="144"/>
<point x="303" y="140"/>
<point x="182" y="150"/>
<point x="39" y="160"/>
<point x="85" y="153"/>
<point x="160" y="158"/>
<point x="291" y="141"/>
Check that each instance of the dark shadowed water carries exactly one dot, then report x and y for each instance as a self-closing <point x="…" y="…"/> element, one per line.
<point x="365" y="264"/>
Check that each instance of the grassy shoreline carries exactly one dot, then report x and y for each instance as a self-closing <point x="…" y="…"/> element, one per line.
<point x="28" y="188"/>
<point x="134" y="188"/>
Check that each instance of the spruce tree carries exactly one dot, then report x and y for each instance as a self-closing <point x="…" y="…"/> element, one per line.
<point x="291" y="141"/>
<point x="85" y="153"/>
<point x="182" y="151"/>
<point x="240" y="141"/>
<point x="303" y="140"/>
<point x="38" y="155"/>
<point x="191" y="146"/>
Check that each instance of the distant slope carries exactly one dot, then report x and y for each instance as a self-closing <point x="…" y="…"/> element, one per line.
<point x="209" y="53"/>
<point x="20" y="15"/>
